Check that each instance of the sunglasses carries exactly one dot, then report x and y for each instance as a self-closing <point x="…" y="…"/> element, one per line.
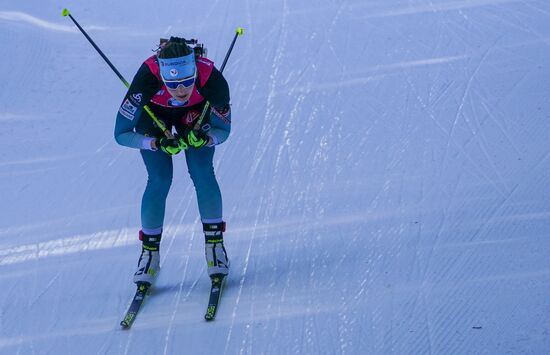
<point x="185" y="82"/>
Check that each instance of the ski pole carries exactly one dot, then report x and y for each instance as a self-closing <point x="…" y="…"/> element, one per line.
<point x="238" y="32"/>
<point x="159" y="123"/>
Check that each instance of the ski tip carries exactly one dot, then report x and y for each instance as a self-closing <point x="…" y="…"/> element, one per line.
<point x="209" y="317"/>
<point x="65" y="12"/>
<point x="126" y="323"/>
<point x="240" y="31"/>
<point x="128" y="320"/>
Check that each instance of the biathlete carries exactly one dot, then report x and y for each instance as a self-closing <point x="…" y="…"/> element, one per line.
<point x="175" y="84"/>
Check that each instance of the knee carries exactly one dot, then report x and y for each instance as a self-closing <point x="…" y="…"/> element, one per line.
<point x="159" y="181"/>
<point x="201" y="174"/>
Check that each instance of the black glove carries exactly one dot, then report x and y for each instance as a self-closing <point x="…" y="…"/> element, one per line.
<point x="172" y="146"/>
<point x="193" y="138"/>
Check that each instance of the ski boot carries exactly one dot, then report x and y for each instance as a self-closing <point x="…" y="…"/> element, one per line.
<point x="149" y="260"/>
<point x="216" y="256"/>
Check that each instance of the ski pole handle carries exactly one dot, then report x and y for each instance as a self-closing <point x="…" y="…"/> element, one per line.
<point x="159" y="123"/>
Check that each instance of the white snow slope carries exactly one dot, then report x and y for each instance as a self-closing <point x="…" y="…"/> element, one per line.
<point x="385" y="184"/>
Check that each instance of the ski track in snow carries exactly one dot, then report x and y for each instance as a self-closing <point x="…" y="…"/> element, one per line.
<point x="385" y="183"/>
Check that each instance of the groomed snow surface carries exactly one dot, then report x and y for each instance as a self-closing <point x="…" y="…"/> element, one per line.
<point x="386" y="183"/>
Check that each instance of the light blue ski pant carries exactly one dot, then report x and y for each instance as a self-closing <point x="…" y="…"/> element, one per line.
<point x="160" y="171"/>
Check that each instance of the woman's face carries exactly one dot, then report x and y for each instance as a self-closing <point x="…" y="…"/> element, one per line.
<point x="181" y="88"/>
<point x="181" y="93"/>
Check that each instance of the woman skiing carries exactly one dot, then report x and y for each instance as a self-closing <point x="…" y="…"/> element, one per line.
<point x="175" y="84"/>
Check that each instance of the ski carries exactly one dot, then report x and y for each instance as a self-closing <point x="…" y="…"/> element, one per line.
<point x="137" y="301"/>
<point x="216" y="288"/>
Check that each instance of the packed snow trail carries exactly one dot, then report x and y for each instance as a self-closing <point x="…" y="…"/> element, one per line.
<point x="385" y="184"/>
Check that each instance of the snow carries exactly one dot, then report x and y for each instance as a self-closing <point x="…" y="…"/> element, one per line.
<point x="385" y="184"/>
